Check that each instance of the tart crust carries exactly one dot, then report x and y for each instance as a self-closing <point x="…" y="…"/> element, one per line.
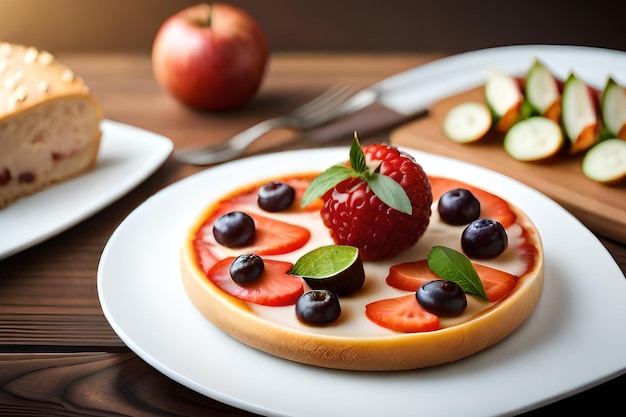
<point x="391" y="352"/>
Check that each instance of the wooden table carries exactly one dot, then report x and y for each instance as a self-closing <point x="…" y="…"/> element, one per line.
<point x="58" y="354"/>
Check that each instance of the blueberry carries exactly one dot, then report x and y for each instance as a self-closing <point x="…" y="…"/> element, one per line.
<point x="318" y="307"/>
<point x="458" y="206"/>
<point x="246" y="268"/>
<point x="484" y="239"/>
<point x="442" y="298"/>
<point x="276" y="196"/>
<point x="234" y="229"/>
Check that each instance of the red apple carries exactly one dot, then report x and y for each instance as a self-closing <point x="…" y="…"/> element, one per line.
<point x="210" y="57"/>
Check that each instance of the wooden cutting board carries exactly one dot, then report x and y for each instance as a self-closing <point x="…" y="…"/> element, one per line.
<point x="601" y="208"/>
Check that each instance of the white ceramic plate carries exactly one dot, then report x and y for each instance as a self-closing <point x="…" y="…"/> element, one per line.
<point x="570" y="342"/>
<point x="419" y="87"/>
<point x="127" y="156"/>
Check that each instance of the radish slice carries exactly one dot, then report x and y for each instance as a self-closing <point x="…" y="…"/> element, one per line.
<point x="605" y="162"/>
<point x="614" y="109"/>
<point x="534" y="139"/>
<point x="467" y="122"/>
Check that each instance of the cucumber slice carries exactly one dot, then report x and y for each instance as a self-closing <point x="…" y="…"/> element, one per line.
<point x="542" y="92"/>
<point x="504" y="98"/>
<point x="540" y="88"/>
<point x="534" y="139"/>
<point x="467" y="122"/>
<point x="605" y="162"/>
<point x="613" y="108"/>
<point x="580" y="115"/>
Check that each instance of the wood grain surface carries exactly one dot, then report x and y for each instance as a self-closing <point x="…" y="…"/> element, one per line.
<point x="58" y="354"/>
<point x="602" y="208"/>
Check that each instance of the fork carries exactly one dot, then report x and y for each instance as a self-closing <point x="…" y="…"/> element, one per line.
<point x="338" y="100"/>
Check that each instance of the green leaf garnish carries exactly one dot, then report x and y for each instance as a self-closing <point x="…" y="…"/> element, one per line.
<point x="452" y="265"/>
<point x="325" y="261"/>
<point x="390" y="192"/>
<point x="324" y="182"/>
<point x="384" y="187"/>
<point x="357" y="157"/>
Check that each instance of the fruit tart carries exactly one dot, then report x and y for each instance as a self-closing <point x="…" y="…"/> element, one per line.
<point x="370" y="265"/>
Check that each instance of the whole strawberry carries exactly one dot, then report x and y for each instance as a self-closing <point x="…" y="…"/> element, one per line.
<point x="379" y="203"/>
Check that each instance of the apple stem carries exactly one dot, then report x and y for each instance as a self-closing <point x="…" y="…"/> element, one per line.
<point x="210" y="16"/>
<point x="205" y="22"/>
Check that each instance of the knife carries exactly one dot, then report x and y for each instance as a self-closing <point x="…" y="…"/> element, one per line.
<point x="368" y="117"/>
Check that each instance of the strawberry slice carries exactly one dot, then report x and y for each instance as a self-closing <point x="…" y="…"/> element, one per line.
<point x="205" y="256"/>
<point x="274" y="237"/>
<point x="401" y="314"/>
<point x="249" y="197"/>
<point x="528" y="253"/>
<point x="410" y="276"/>
<point x="491" y="206"/>
<point x="300" y="184"/>
<point x="498" y="284"/>
<point x="275" y="287"/>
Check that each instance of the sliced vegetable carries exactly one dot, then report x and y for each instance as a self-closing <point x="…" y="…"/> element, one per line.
<point x="504" y="97"/>
<point x="581" y="120"/>
<point x="534" y="139"/>
<point x="613" y="109"/>
<point x="542" y="91"/>
<point x="605" y="162"/>
<point x="467" y="122"/>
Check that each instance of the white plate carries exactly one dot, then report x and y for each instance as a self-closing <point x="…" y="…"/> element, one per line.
<point x="569" y="343"/>
<point x="127" y="156"/>
<point x="419" y="87"/>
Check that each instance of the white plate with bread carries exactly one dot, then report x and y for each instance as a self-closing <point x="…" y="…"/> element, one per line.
<point x="127" y="156"/>
<point x="60" y="161"/>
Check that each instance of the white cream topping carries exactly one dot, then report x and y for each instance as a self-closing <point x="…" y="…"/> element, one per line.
<point x="353" y="321"/>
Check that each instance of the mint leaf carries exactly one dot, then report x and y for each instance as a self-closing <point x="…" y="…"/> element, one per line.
<point x="390" y="192"/>
<point x="325" y="181"/>
<point x="452" y="265"/>
<point x="385" y="188"/>
<point x="357" y="157"/>
<point x="325" y="261"/>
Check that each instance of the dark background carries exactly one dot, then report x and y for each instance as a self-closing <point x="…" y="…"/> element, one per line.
<point x="448" y="26"/>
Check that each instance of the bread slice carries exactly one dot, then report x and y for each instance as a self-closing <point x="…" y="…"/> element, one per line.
<point x="350" y="344"/>
<point x="49" y="122"/>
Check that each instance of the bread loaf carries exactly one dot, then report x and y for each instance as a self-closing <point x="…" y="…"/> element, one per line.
<point x="49" y="122"/>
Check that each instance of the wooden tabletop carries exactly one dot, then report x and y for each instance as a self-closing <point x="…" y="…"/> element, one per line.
<point x="58" y="354"/>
